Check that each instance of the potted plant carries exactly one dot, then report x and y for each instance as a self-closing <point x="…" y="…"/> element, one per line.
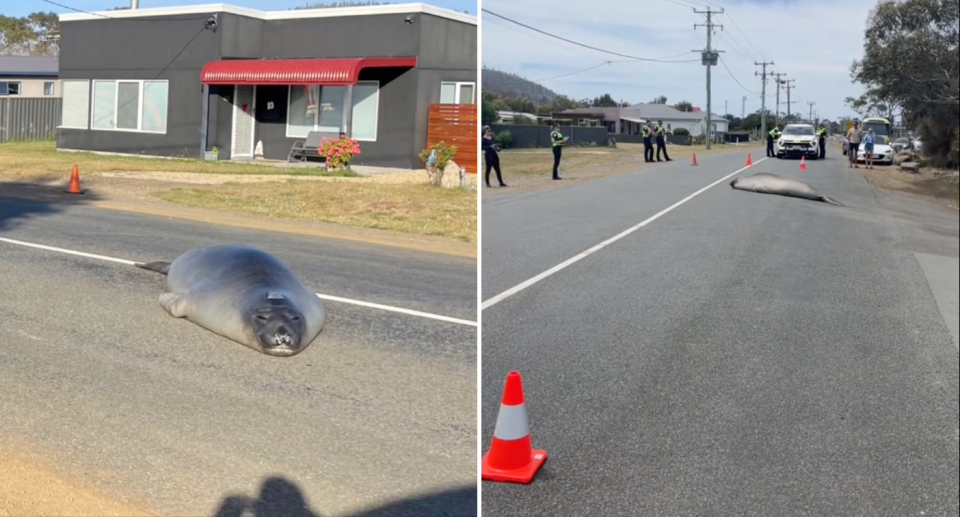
<point x="338" y="152"/>
<point x="436" y="159"/>
<point x="213" y="154"/>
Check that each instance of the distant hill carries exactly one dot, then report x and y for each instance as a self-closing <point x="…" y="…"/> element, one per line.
<point x="509" y="84"/>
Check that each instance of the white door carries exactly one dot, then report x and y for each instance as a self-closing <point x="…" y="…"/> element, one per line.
<point x="244" y="97"/>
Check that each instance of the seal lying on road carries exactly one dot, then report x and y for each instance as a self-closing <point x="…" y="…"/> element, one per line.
<point x="767" y="183"/>
<point x="244" y="294"/>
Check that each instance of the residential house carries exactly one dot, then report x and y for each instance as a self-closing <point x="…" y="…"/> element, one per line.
<point x="175" y="81"/>
<point x="29" y="77"/>
<point x="629" y="120"/>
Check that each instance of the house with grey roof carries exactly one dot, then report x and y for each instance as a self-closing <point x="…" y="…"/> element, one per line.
<point x="628" y="120"/>
<point x="29" y="77"/>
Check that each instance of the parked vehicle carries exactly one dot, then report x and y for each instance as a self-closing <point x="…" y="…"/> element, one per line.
<point x="798" y="140"/>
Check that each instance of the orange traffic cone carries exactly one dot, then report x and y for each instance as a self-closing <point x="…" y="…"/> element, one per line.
<point x="749" y="161"/>
<point x="74" y="187"/>
<point x="694" y="161"/>
<point x="511" y="457"/>
<point x="803" y="163"/>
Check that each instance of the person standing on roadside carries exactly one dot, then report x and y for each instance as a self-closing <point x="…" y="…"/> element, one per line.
<point x="853" y="146"/>
<point x="491" y="156"/>
<point x="822" y="140"/>
<point x="868" y="140"/>
<point x="557" y="140"/>
<point x="662" y="142"/>
<point x="647" y="143"/>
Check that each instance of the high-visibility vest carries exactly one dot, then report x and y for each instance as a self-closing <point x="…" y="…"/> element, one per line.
<point x="660" y="131"/>
<point x="557" y="138"/>
<point x="646" y="132"/>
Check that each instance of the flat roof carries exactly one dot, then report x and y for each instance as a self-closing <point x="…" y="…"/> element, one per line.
<point x="290" y="14"/>
<point x="32" y="66"/>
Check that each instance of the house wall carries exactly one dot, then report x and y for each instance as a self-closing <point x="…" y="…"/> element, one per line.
<point x="446" y="51"/>
<point x="32" y="87"/>
<point x="173" y="48"/>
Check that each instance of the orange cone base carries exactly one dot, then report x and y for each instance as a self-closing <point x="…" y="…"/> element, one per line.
<point x="522" y="474"/>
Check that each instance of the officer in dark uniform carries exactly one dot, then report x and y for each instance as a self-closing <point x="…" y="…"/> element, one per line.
<point x="822" y="140"/>
<point x="647" y="143"/>
<point x="661" y="142"/>
<point x="557" y="140"/>
<point x="771" y="135"/>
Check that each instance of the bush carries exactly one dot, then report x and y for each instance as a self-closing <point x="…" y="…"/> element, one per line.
<point x="444" y="153"/>
<point x="681" y="131"/>
<point x="504" y="139"/>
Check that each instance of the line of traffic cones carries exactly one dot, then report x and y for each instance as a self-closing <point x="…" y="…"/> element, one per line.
<point x="74" y="186"/>
<point x="511" y="457"/>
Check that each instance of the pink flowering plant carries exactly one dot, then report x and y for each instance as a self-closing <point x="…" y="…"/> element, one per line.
<point x="338" y="151"/>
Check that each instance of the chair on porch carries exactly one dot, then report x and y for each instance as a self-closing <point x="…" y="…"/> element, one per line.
<point x="307" y="148"/>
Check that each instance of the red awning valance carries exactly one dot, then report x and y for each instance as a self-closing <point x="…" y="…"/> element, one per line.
<point x="330" y="72"/>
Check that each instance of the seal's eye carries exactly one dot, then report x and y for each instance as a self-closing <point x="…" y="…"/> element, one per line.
<point x="261" y="317"/>
<point x="295" y="318"/>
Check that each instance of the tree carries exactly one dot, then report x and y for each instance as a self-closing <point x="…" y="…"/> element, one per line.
<point x="871" y="105"/>
<point x="488" y="111"/>
<point x="604" y="101"/>
<point x="684" y="106"/>
<point x="659" y="100"/>
<point x="911" y="60"/>
<point x="31" y="35"/>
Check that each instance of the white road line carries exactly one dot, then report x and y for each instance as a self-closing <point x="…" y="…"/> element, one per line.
<point x="338" y="299"/>
<point x="567" y="263"/>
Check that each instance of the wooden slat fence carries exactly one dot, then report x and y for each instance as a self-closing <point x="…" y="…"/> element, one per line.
<point x="455" y="124"/>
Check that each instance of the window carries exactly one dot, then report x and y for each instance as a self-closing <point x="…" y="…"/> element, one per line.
<point x="9" y="88"/>
<point x="316" y="108"/>
<point x="457" y="93"/>
<point x="75" y="105"/>
<point x="130" y="106"/>
<point x="49" y="88"/>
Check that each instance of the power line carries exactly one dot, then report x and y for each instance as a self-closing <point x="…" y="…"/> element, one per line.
<point x="634" y="58"/>
<point x="735" y="26"/>
<point x="611" y="62"/>
<point x="735" y="79"/>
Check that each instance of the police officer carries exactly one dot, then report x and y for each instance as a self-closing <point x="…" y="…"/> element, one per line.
<point x="647" y="143"/>
<point x="557" y="140"/>
<point x="771" y="136"/>
<point x="661" y="141"/>
<point x="822" y="140"/>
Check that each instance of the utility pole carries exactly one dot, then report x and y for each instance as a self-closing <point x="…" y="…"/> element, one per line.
<point x="811" y="104"/>
<point x="725" y="110"/>
<point x="709" y="58"/>
<point x="743" y="107"/>
<point x="763" y="96"/>
<point x="778" y="81"/>
<point x="788" y="85"/>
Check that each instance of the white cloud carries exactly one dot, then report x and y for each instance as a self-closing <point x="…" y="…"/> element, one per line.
<point x="813" y="42"/>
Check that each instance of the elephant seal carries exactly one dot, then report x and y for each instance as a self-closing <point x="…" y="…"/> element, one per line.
<point x="767" y="183"/>
<point x="242" y="293"/>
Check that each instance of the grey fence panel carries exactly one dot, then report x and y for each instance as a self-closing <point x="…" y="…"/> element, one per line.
<point x="29" y="119"/>
<point x="527" y="136"/>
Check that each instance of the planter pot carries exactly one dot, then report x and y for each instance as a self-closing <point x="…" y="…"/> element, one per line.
<point x="211" y="155"/>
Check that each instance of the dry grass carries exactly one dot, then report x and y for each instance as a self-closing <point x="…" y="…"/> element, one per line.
<point x="40" y="160"/>
<point x="530" y="167"/>
<point x="401" y="201"/>
<point x="940" y="187"/>
<point x="417" y="208"/>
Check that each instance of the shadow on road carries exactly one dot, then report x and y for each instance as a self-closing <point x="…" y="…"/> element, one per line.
<point x="280" y="497"/>
<point x="20" y="201"/>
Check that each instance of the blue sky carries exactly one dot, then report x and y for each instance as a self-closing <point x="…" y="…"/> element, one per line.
<point x="813" y="42"/>
<point x="24" y="7"/>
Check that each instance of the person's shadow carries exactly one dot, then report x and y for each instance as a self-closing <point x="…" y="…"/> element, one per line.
<point x="280" y="497"/>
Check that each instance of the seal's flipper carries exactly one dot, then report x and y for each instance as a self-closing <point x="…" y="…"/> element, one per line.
<point x="830" y="201"/>
<point x="157" y="267"/>
<point x="174" y="304"/>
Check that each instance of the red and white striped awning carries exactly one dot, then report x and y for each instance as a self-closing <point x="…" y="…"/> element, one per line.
<point x="330" y="72"/>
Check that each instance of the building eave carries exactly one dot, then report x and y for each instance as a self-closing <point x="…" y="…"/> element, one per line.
<point x="299" y="14"/>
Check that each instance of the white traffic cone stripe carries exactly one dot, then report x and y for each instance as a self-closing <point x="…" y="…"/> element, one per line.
<point x="512" y="422"/>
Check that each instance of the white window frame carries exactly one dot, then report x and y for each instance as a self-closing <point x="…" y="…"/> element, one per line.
<point x="53" y="88"/>
<point x="19" y="89"/>
<point x="316" y="115"/>
<point x="88" y="101"/>
<point x="456" y="89"/>
<point x="116" y="103"/>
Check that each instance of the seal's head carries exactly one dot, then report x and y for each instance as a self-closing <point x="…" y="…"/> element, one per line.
<point x="277" y="325"/>
<point x="733" y="182"/>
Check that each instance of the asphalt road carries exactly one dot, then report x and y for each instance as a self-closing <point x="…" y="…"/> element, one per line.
<point x="743" y="354"/>
<point x="381" y="408"/>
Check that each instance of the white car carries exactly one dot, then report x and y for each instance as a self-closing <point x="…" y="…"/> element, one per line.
<point x="798" y="140"/>
<point x="882" y="152"/>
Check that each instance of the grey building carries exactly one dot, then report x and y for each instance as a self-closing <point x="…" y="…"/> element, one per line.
<point x="629" y="120"/>
<point x="28" y="77"/>
<point x="181" y="80"/>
